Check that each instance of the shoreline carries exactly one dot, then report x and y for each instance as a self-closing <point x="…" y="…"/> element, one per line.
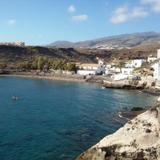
<point x="80" y="79"/>
<point x="45" y="77"/>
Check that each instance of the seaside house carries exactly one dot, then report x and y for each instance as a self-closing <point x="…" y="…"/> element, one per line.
<point x="127" y="70"/>
<point x="91" y="68"/>
<point x="111" y="69"/>
<point x="87" y="69"/>
<point x="124" y="74"/>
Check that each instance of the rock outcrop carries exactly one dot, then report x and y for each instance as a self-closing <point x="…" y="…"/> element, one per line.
<point x="139" y="139"/>
<point x="123" y="84"/>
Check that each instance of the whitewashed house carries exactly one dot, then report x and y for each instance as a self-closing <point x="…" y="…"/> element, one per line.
<point x="87" y="69"/>
<point x="135" y="63"/>
<point x="88" y="66"/>
<point x="138" y="62"/>
<point x="156" y="67"/>
<point x="125" y="73"/>
<point x="156" y="73"/>
<point x="151" y="59"/>
<point x="86" y="72"/>
<point x="91" y="68"/>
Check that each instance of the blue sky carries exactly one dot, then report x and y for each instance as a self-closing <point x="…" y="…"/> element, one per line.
<point x="44" y="21"/>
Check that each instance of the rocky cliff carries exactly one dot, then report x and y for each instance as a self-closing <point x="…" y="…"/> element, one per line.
<point x="139" y="139"/>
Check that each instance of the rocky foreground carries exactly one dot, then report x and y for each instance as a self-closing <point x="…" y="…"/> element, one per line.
<point x="139" y="139"/>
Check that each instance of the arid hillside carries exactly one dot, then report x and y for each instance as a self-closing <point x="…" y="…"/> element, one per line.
<point x="14" y="54"/>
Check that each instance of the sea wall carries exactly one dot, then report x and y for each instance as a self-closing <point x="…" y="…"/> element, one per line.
<point x="139" y="139"/>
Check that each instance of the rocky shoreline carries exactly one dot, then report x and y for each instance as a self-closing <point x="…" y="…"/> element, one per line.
<point x="126" y="84"/>
<point x="139" y="139"/>
<point x="90" y="79"/>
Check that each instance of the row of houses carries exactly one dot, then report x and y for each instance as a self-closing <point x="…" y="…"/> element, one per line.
<point x="120" y="73"/>
<point x="109" y="69"/>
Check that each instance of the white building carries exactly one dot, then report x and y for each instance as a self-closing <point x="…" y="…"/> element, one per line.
<point x="135" y="63"/>
<point x="115" y="69"/>
<point x="88" y="66"/>
<point x="86" y="72"/>
<point x="124" y="73"/>
<point x="151" y="59"/>
<point x="127" y="71"/>
<point x="156" y="73"/>
<point x="156" y="67"/>
<point x="91" y="68"/>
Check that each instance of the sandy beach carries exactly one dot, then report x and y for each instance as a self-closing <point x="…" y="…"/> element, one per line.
<point x="55" y="77"/>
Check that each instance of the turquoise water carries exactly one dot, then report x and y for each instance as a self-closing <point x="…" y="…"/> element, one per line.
<point x="57" y="120"/>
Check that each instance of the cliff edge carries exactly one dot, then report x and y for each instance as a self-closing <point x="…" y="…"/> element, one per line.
<point x="139" y="139"/>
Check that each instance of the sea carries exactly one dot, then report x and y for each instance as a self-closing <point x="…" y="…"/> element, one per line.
<point x="56" y="120"/>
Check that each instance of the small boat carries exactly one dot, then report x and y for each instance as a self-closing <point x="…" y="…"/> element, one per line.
<point x="103" y="87"/>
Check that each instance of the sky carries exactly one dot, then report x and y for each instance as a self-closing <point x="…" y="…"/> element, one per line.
<point x="40" y="22"/>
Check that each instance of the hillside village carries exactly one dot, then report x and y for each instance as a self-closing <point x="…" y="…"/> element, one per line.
<point x="144" y="70"/>
<point x="114" y="72"/>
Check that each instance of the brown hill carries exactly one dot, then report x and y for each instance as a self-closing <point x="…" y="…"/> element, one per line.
<point x="14" y="54"/>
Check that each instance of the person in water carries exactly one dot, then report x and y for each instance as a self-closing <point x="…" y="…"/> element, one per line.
<point x="15" y="98"/>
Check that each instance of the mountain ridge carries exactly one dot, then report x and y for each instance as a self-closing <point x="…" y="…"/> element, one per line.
<point x="123" y="41"/>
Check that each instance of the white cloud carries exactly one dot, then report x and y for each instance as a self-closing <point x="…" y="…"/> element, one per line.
<point x="139" y="12"/>
<point x="11" y="22"/>
<point x="80" y="18"/>
<point x="120" y="15"/>
<point x="124" y="14"/>
<point x="71" y="9"/>
<point x="153" y="4"/>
